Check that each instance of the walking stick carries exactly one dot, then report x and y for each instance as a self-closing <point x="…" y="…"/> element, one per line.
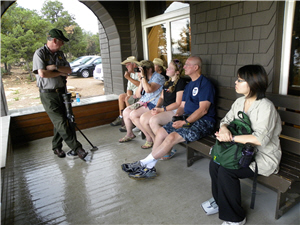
<point x="71" y="118"/>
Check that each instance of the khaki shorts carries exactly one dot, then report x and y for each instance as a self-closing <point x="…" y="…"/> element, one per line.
<point x="132" y="100"/>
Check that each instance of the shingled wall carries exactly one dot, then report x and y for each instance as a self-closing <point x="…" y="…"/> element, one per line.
<point x="228" y="35"/>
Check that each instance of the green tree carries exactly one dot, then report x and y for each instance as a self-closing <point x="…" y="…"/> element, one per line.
<point x="93" y="44"/>
<point x="23" y="31"/>
<point x="80" y="43"/>
<point x="184" y="41"/>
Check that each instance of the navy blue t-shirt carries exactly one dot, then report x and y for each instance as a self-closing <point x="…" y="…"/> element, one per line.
<point x="197" y="91"/>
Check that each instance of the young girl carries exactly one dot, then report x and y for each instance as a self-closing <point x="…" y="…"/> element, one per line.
<point x="169" y="101"/>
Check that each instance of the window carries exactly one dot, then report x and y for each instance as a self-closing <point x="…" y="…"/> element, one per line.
<point x="181" y="39"/>
<point x="294" y="75"/>
<point x="166" y="34"/>
<point x="156" y="8"/>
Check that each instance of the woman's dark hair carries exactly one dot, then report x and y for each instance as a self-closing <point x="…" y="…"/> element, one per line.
<point x="257" y="79"/>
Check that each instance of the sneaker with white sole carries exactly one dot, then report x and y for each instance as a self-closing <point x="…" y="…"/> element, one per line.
<point x="210" y="207"/>
<point x="143" y="173"/>
<point x="72" y="154"/>
<point x="131" y="167"/>
<point x="234" y="223"/>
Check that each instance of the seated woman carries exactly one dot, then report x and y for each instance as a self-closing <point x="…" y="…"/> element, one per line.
<point x="151" y="84"/>
<point x="159" y="67"/>
<point x="169" y="101"/>
<point x="252" y="82"/>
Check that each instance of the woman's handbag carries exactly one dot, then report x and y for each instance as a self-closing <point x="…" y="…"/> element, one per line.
<point x="233" y="155"/>
<point x="137" y="105"/>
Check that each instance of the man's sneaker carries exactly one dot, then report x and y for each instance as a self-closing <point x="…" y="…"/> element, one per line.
<point x="234" y="223"/>
<point x="143" y="173"/>
<point x="131" y="167"/>
<point x="72" y="154"/>
<point x="117" y="122"/>
<point x="123" y="129"/>
<point x="210" y="207"/>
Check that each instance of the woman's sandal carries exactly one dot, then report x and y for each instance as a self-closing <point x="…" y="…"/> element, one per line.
<point x="172" y="153"/>
<point x="126" y="139"/>
<point x="147" y="145"/>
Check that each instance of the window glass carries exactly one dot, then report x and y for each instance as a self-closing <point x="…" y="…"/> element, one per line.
<point x="157" y="42"/>
<point x="181" y="39"/>
<point x="156" y="8"/>
<point x="294" y="78"/>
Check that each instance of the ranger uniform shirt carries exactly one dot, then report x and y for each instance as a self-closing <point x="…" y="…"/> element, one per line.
<point x="41" y="59"/>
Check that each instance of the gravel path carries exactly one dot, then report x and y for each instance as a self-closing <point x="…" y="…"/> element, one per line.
<point x="21" y="92"/>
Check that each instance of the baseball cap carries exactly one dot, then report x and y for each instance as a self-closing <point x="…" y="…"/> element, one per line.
<point x="130" y="59"/>
<point x="56" y="33"/>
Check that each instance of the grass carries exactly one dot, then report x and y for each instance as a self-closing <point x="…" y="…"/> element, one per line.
<point x="16" y="99"/>
<point x="16" y="92"/>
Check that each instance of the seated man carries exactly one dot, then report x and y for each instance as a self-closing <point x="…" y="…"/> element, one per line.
<point x="129" y="97"/>
<point x="198" y="104"/>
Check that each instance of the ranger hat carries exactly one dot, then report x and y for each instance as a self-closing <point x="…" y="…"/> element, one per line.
<point x="159" y="62"/>
<point x="130" y="59"/>
<point x="56" y="33"/>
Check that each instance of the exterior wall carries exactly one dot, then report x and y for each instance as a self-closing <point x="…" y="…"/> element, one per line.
<point x="120" y="37"/>
<point x="136" y="30"/>
<point x="228" y="35"/>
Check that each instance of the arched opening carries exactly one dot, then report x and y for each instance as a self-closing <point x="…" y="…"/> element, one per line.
<point x="109" y="41"/>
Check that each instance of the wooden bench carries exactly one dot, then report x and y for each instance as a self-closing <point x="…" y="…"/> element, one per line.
<point x="287" y="182"/>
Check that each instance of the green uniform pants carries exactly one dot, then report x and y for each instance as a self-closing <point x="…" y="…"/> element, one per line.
<point x="55" y="108"/>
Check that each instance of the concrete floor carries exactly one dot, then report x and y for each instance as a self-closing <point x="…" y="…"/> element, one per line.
<point x="50" y="190"/>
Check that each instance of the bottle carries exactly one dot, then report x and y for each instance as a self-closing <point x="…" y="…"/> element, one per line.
<point x="247" y="155"/>
<point x="77" y="97"/>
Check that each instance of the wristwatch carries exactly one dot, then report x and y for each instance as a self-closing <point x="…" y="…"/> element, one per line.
<point x="232" y="140"/>
<point x="165" y="108"/>
<point x="187" y="122"/>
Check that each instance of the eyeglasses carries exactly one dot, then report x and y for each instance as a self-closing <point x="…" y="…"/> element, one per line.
<point x="240" y="80"/>
<point x="189" y="64"/>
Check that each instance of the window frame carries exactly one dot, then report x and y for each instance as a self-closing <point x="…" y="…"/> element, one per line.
<point x="166" y="19"/>
<point x="288" y="22"/>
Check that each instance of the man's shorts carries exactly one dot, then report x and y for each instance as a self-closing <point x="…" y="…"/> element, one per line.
<point x="199" y="129"/>
<point x="132" y="100"/>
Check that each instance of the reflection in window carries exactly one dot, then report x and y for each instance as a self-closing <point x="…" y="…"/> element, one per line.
<point x="157" y="43"/>
<point x="156" y="8"/>
<point x="175" y="6"/>
<point x="181" y="39"/>
<point x="294" y="78"/>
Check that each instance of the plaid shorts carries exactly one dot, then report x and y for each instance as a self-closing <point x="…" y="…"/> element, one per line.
<point x="199" y="129"/>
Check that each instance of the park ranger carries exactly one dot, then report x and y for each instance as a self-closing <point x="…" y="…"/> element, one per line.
<point x="52" y="69"/>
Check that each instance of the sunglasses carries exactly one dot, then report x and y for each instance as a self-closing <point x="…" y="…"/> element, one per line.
<point x="177" y="62"/>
